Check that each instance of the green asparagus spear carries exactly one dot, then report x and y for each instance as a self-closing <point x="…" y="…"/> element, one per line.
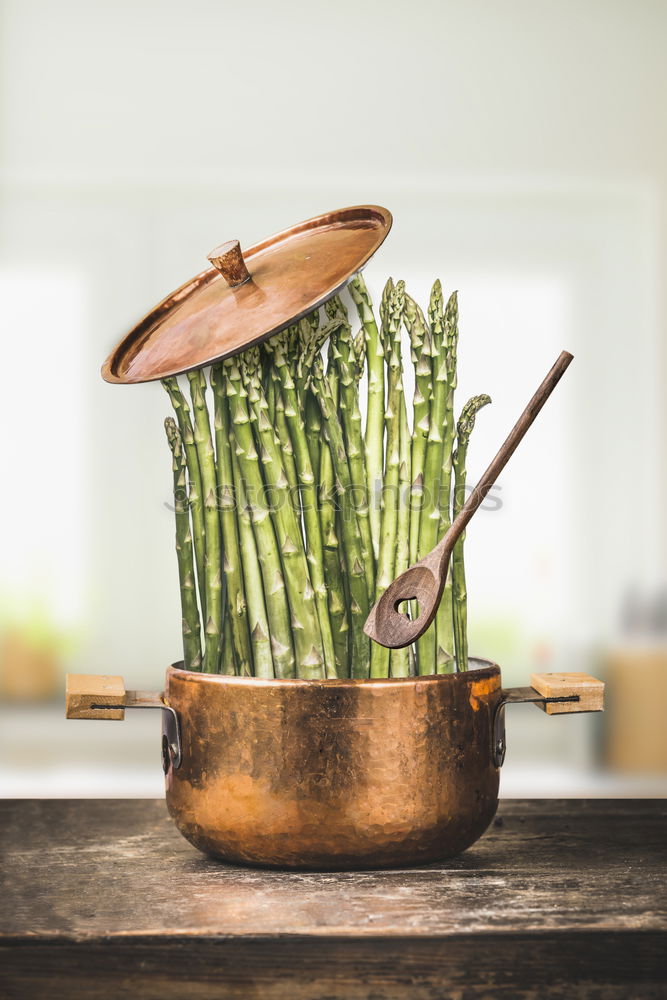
<point x="300" y="591"/>
<point x="350" y="417"/>
<point x="298" y="334"/>
<point x="186" y="571"/>
<point x="444" y="623"/>
<point x="352" y="549"/>
<point x="308" y="492"/>
<point x="258" y="622"/>
<point x="464" y="427"/>
<point x="420" y="350"/>
<point x="228" y="658"/>
<point x="374" y="436"/>
<point x="430" y="514"/>
<point x="393" y="304"/>
<point x="275" y="595"/>
<point x="337" y="594"/>
<point x="276" y="415"/>
<point x="331" y="513"/>
<point x="400" y="658"/>
<point x="236" y="608"/>
<point x="212" y="560"/>
<point x="195" y="493"/>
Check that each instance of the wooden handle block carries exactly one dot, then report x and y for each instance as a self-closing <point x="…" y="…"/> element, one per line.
<point x="83" y="692"/>
<point x="589" y="690"/>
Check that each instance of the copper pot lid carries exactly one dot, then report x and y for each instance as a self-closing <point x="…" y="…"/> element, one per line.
<point x="247" y="296"/>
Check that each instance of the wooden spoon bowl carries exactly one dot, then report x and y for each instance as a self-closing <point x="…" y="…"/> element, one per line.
<point x="419" y="583"/>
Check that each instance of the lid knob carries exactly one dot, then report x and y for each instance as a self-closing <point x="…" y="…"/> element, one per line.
<point x="229" y="261"/>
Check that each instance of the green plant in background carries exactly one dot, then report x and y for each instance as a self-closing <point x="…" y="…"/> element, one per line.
<point x="34" y="648"/>
<point x="292" y="517"/>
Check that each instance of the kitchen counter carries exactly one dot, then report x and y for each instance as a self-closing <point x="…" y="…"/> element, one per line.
<point x="103" y="898"/>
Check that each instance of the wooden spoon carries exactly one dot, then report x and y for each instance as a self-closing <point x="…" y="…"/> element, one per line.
<point x="425" y="581"/>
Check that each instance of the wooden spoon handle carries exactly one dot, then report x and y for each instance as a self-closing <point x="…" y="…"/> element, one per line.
<point x="507" y="450"/>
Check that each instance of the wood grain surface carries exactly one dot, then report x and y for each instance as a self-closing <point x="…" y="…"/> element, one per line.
<point x="559" y="899"/>
<point x="589" y="690"/>
<point x="83" y="691"/>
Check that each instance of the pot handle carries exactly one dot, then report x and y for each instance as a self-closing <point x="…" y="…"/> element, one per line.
<point x="98" y="696"/>
<point x="555" y="694"/>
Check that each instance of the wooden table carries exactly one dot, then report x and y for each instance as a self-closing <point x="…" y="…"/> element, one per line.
<point x="558" y="899"/>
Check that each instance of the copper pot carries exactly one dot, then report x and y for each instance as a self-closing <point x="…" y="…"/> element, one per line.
<point x="334" y="774"/>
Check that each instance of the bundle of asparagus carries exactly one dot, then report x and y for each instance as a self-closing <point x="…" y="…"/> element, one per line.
<point x="292" y="518"/>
